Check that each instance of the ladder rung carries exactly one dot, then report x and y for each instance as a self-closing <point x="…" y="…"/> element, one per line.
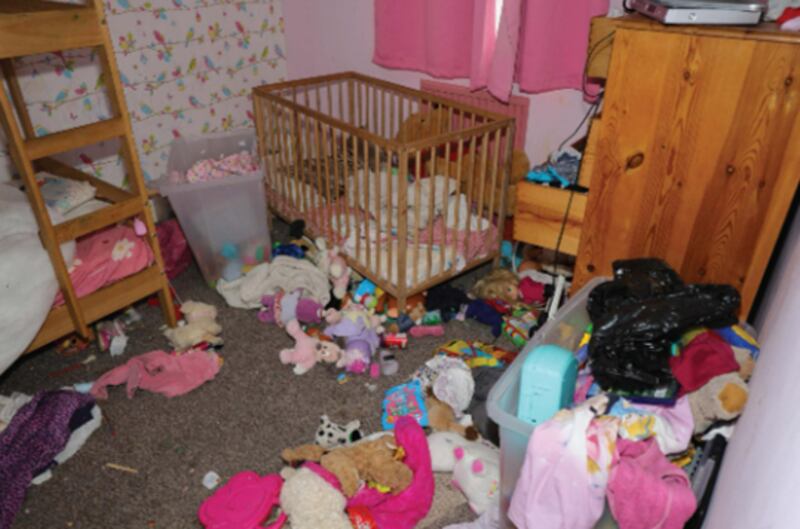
<point x="29" y="27"/>
<point x="108" y="216"/>
<point x="76" y="138"/>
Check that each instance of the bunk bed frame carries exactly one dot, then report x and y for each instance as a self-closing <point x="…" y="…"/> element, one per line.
<point x="29" y="27"/>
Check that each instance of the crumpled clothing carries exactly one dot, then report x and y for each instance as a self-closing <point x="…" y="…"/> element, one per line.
<point x="705" y="357"/>
<point x="567" y="464"/>
<point x="285" y="274"/>
<point x="10" y="405"/>
<point x="209" y="169"/>
<point x="36" y="434"/>
<point x="161" y="372"/>
<point x="646" y="491"/>
<point x="672" y="427"/>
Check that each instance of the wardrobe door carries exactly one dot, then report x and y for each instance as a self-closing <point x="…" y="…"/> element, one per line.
<point x="692" y="163"/>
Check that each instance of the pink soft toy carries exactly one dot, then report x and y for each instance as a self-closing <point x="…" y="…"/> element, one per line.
<point x="307" y="351"/>
<point x="244" y="502"/>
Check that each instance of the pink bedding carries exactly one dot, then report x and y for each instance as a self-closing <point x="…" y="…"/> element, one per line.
<point x="104" y="257"/>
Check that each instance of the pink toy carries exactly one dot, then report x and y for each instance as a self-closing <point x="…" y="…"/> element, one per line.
<point x="418" y="331"/>
<point x="307" y="350"/>
<point x="244" y="502"/>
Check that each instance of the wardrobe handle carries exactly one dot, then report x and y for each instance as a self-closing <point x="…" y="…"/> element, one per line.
<point x="634" y="161"/>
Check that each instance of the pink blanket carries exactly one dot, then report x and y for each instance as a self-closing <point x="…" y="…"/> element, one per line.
<point x="104" y="257"/>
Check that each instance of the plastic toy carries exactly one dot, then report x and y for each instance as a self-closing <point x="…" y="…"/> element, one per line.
<point x="478" y="354"/>
<point x="291" y="250"/>
<point x="395" y="340"/>
<point x="307" y="350"/>
<point x="244" y="502"/>
<point x="404" y="400"/>
<point x="367" y="294"/>
<point x="233" y="263"/>
<point x="420" y="331"/>
<point x="547" y="383"/>
<point x="519" y="330"/>
<point x="254" y="253"/>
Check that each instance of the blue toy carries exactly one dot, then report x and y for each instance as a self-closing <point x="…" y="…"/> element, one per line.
<point x="547" y="383"/>
<point x="547" y="175"/>
<point x="291" y="250"/>
<point x="486" y="314"/>
<point x="402" y="400"/>
<point x="233" y="262"/>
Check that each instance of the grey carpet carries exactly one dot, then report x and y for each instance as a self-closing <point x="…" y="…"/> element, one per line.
<point x="239" y="421"/>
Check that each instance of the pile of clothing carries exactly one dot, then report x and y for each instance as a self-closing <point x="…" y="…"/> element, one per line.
<point x="36" y="434"/>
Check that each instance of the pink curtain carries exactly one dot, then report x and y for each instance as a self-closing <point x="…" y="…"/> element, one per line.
<point x="434" y="37"/>
<point x="541" y="44"/>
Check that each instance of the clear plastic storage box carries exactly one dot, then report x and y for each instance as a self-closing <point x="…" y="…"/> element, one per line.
<point x="228" y="212"/>
<point x="566" y="330"/>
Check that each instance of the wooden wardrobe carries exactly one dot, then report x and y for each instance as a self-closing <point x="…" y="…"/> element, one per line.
<point x="696" y="155"/>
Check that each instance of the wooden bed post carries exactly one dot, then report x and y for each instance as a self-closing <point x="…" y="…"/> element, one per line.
<point x="501" y="212"/>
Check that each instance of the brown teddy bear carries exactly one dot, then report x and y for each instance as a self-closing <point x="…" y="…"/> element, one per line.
<point x="378" y="461"/>
<point x="441" y="418"/>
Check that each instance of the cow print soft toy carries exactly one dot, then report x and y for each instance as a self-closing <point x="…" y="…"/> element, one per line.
<point x="330" y="435"/>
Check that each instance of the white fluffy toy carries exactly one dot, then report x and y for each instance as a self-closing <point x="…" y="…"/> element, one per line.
<point x="310" y="502"/>
<point x="200" y="326"/>
<point x="475" y="466"/>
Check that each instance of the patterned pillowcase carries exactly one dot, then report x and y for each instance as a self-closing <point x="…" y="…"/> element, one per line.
<point x="65" y="195"/>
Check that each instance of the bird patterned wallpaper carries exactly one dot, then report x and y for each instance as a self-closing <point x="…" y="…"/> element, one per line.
<point x="187" y="66"/>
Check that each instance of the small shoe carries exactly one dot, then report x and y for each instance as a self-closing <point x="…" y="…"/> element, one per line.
<point x="388" y="362"/>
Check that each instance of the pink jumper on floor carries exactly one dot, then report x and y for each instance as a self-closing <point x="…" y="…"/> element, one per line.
<point x="161" y="372"/>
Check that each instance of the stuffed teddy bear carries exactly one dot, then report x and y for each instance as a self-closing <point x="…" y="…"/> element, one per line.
<point x="377" y="461"/>
<point x="281" y="308"/>
<point x="307" y="351"/>
<point x="334" y="266"/>
<point x="200" y="326"/>
<point x="330" y="435"/>
<point x="475" y="467"/>
<point x="311" y="502"/>
<point x="724" y="397"/>
<point x="442" y="418"/>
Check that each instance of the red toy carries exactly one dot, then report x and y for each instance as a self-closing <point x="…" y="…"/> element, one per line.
<point x="395" y="340"/>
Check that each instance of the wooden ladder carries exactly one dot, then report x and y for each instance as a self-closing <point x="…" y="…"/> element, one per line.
<point x="29" y="27"/>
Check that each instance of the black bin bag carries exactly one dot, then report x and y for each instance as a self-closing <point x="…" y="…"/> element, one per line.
<point x="639" y="314"/>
